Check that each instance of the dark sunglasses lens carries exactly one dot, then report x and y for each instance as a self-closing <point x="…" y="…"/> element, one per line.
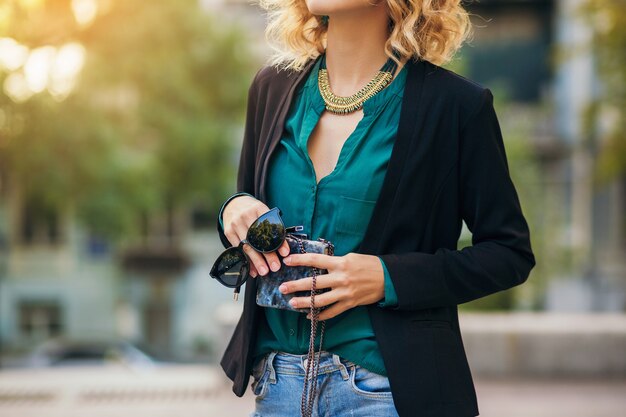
<point x="231" y="267"/>
<point x="267" y="233"/>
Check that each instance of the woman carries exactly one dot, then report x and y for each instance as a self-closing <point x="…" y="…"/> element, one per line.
<point x="389" y="180"/>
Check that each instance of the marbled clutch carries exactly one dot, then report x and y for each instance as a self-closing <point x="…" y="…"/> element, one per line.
<point x="268" y="295"/>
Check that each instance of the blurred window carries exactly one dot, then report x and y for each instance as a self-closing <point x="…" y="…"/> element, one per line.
<point x="40" y="224"/>
<point x="39" y="320"/>
<point x="202" y="218"/>
<point x="511" y="46"/>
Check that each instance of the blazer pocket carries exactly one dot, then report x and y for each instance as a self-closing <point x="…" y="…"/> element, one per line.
<point x="453" y="369"/>
<point x="442" y="350"/>
<point x="350" y="213"/>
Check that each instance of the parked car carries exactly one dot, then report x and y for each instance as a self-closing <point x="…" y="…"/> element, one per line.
<point x="59" y="352"/>
<point x="62" y="378"/>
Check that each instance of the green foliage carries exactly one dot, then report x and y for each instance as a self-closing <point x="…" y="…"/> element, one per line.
<point x="607" y="19"/>
<point x="153" y="122"/>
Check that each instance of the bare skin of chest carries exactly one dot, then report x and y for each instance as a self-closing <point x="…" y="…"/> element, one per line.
<point x="327" y="139"/>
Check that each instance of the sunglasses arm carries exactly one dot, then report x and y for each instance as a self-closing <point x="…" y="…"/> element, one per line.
<point x="292" y="229"/>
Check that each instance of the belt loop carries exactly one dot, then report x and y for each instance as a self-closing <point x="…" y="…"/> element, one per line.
<point x="270" y="365"/>
<point x="342" y="367"/>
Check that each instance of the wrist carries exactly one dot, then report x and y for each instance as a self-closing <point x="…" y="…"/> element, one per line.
<point x="231" y="198"/>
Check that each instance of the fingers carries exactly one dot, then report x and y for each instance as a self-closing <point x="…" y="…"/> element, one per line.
<point x="304" y="284"/>
<point x="253" y="272"/>
<point x="321" y="300"/>
<point x="284" y="249"/>
<point x="272" y="260"/>
<point x="232" y="237"/>
<point x="244" y="223"/>
<point x="256" y="259"/>
<point x="317" y="260"/>
<point x="332" y="311"/>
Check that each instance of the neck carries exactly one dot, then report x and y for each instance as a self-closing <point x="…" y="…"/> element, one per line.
<point x="354" y="55"/>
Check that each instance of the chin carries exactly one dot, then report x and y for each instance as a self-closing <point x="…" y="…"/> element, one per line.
<point x="330" y="7"/>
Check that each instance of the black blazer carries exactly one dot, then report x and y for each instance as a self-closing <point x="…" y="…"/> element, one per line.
<point x="448" y="164"/>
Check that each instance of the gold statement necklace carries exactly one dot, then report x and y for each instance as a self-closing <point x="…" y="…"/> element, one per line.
<point x="344" y="105"/>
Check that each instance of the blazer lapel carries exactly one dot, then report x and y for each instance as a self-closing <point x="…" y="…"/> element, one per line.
<point x="276" y="131"/>
<point x="410" y="120"/>
<point x="278" y="125"/>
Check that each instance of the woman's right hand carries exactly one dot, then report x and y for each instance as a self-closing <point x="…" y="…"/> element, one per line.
<point x="237" y="216"/>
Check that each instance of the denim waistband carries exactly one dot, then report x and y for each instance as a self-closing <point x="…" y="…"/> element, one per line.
<point x="289" y="363"/>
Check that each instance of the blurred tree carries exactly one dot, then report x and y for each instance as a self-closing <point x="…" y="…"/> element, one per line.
<point x="152" y="122"/>
<point x="606" y="117"/>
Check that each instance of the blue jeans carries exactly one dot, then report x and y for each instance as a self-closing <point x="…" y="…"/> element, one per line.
<point x="344" y="388"/>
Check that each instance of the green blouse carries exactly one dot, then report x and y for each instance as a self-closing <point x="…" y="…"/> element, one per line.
<point x="338" y="208"/>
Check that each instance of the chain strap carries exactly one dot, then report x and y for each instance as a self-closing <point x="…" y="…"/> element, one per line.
<point x="309" y="390"/>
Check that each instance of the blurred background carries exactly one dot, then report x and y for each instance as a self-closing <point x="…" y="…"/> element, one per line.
<point x="120" y="128"/>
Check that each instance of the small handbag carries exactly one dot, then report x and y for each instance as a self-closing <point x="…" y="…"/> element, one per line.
<point x="268" y="295"/>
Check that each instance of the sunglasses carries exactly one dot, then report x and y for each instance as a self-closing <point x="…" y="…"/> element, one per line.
<point x="266" y="234"/>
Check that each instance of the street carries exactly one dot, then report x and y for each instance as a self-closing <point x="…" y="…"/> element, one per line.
<point x="497" y="398"/>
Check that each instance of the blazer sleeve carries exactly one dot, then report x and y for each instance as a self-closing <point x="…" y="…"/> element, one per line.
<point x="247" y="157"/>
<point x="500" y="256"/>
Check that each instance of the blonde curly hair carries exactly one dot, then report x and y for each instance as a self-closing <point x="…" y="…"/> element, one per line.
<point x="431" y="30"/>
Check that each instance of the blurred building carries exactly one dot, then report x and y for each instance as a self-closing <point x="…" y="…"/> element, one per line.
<point x="57" y="280"/>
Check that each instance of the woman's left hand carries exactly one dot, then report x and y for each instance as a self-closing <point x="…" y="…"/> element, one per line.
<point x="355" y="279"/>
